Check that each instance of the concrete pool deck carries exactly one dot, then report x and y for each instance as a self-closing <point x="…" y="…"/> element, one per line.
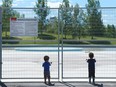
<point x="58" y="84"/>
<point x="21" y="64"/>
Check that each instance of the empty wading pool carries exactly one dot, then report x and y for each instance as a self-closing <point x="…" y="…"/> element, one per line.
<point x="53" y="49"/>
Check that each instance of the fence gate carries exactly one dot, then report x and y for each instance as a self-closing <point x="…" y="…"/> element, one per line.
<point x="22" y="55"/>
<point x="64" y="38"/>
<point x="77" y="42"/>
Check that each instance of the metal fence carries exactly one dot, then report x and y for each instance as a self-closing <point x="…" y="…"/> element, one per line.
<point x="66" y="42"/>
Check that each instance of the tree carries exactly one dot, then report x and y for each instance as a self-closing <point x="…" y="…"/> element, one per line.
<point x="7" y="13"/>
<point x="79" y="22"/>
<point x="66" y="17"/>
<point x="75" y="21"/>
<point x="42" y="11"/>
<point x="111" y="31"/>
<point x="16" y="14"/>
<point x="94" y="18"/>
<point x="52" y="25"/>
<point x="7" y="4"/>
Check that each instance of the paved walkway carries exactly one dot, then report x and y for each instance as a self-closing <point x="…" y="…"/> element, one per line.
<point x="58" y="84"/>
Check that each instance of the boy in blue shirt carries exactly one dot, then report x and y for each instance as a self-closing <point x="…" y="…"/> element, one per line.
<point x="91" y="67"/>
<point x="46" y="66"/>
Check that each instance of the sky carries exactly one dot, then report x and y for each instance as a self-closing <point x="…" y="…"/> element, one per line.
<point x="55" y="3"/>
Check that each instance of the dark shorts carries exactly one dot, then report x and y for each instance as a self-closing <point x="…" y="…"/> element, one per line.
<point x="91" y="73"/>
<point x="46" y="74"/>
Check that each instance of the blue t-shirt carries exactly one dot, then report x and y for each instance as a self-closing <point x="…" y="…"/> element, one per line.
<point x="91" y="64"/>
<point x="46" y="66"/>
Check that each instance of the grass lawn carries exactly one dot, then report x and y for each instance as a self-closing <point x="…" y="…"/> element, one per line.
<point x="47" y="38"/>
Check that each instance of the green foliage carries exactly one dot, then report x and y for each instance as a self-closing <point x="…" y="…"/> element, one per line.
<point x="111" y="31"/>
<point x="10" y="42"/>
<point x="7" y="13"/>
<point x="94" y="18"/>
<point x="75" y="21"/>
<point x="46" y="37"/>
<point x="79" y="22"/>
<point x="52" y="26"/>
<point x="100" y="42"/>
<point x="66" y="17"/>
<point x="42" y="11"/>
<point x="75" y="42"/>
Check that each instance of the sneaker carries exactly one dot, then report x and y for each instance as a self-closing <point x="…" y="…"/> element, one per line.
<point x="45" y="83"/>
<point x="50" y="84"/>
<point x="93" y="83"/>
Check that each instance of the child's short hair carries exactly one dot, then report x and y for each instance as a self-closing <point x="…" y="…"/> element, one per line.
<point x="91" y="55"/>
<point x="46" y="58"/>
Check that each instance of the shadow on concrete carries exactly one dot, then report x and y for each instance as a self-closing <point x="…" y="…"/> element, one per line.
<point x="2" y="84"/>
<point x="98" y="85"/>
<point x="68" y="84"/>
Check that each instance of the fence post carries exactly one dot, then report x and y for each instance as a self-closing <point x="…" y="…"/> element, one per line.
<point x="0" y="43"/>
<point x="60" y="55"/>
<point x="58" y="47"/>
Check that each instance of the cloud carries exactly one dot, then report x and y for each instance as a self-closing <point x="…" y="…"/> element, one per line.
<point x="55" y="0"/>
<point x="54" y="4"/>
<point x="105" y="15"/>
<point x="0" y="2"/>
<point x="106" y="21"/>
<point x="14" y="5"/>
<point x="18" y="0"/>
<point x="108" y="16"/>
<point x="51" y="4"/>
<point x="33" y="3"/>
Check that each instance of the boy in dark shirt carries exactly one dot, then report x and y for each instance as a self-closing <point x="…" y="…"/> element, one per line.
<point x="46" y="66"/>
<point x="91" y="67"/>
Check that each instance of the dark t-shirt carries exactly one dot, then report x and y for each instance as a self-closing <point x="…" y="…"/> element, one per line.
<point x="91" y="64"/>
<point x="46" y="66"/>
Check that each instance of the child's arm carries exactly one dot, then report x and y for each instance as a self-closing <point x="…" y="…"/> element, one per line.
<point x="87" y="60"/>
<point x="43" y="65"/>
<point x="95" y="60"/>
<point x="50" y="63"/>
